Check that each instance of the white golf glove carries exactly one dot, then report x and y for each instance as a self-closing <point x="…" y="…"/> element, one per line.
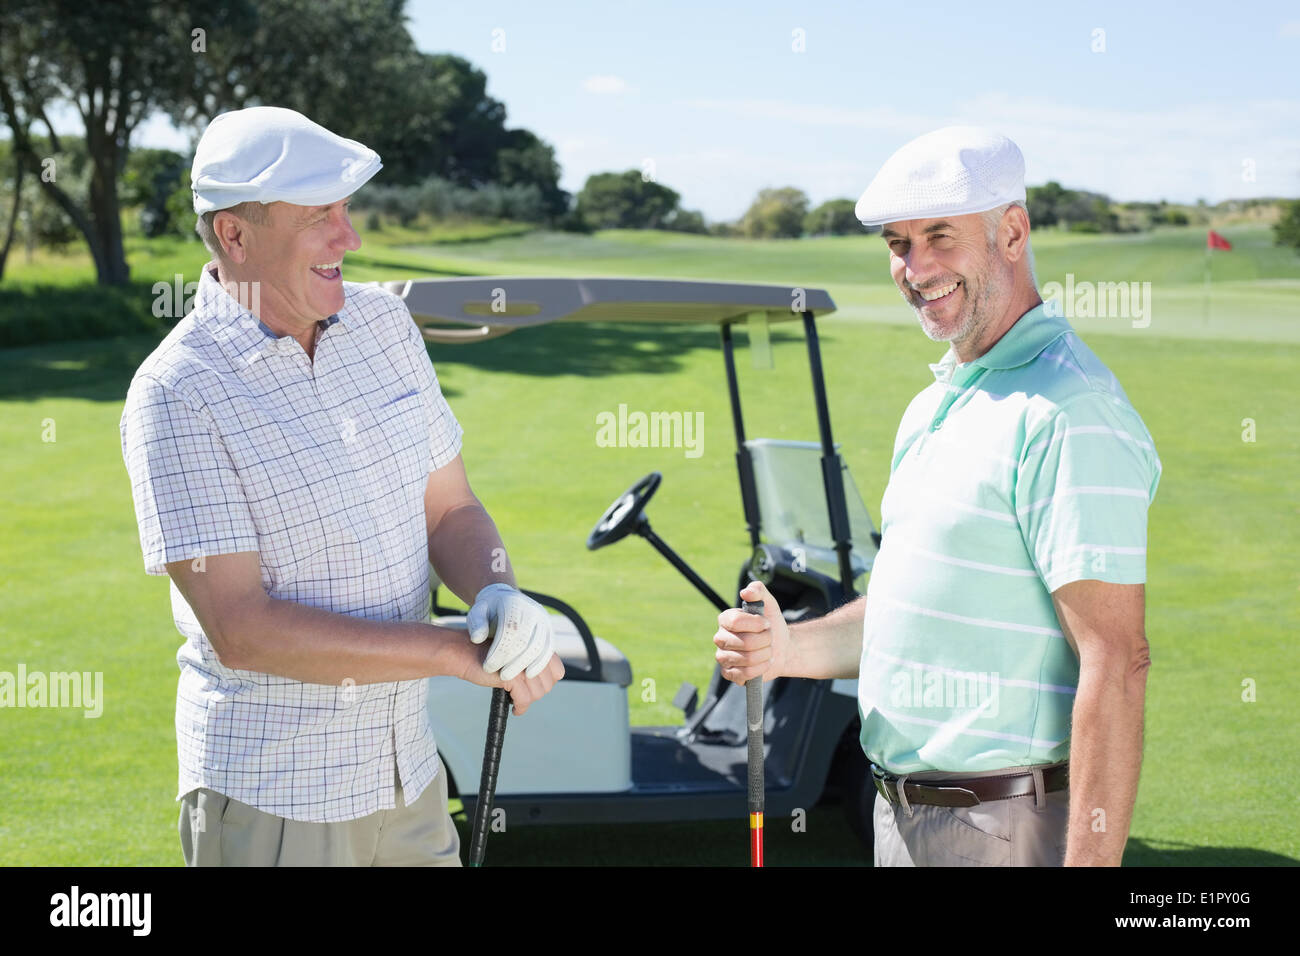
<point x="522" y="627"/>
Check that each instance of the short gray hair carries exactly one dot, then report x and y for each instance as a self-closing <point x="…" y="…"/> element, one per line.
<point x="259" y="214"/>
<point x="993" y="217"/>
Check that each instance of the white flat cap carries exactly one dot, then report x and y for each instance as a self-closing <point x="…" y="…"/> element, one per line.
<point x="271" y="154"/>
<point x="951" y="172"/>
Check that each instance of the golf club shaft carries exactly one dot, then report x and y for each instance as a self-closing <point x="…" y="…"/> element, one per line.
<point x="496" y="736"/>
<point x="754" y="721"/>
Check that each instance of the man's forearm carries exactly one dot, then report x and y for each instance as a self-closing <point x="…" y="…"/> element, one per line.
<point x="830" y="646"/>
<point x="321" y="647"/>
<point x="1105" y="760"/>
<point x="465" y="550"/>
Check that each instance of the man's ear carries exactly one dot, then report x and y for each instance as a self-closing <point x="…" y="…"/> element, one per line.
<point x="1013" y="234"/>
<point x="231" y="233"/>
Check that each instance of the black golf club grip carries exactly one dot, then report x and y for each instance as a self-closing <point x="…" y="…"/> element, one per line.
<point x="754" y="713"/>
<point x="496" y="737"/>
<point x="754" y="721"/>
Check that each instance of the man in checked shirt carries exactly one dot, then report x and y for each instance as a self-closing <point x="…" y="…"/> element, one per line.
<point x="295" y="470"/>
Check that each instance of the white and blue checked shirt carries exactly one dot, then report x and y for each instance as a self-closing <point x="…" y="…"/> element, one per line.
<point x="235" y="441"/>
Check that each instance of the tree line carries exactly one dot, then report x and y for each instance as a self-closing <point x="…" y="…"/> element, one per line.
<point x="348" y="64"/>
<point x="352" y="66"/>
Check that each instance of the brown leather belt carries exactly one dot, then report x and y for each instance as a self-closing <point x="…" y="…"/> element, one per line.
<point x="969" y="791"/>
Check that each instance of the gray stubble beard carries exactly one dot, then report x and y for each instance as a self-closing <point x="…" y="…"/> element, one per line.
<point x="977" y="320"/>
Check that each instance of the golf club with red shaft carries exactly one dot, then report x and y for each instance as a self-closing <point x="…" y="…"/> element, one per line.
<point x="496" y="736"/>
<point x="754" y="720"/>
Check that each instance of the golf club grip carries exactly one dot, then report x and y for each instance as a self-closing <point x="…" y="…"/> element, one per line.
<point x="754" y="717"/>
<point x="754" y="724"/>
<point x="496" y="736"/>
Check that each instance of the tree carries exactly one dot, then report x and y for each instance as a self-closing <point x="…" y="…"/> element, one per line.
<point x="776" y="214"/>
<point x="835" y="217"/>
<point x="425" y="114"/>
<point x="1043" y="203"/>
<point x="527" y="161"/>
<point x="687" y="220"/>
<point x="115" y="62"/>
<point x="13" y="165"/>
<point x="179" y="209"/>
<point x="625" y="201"/>
<point x="150" y="178"/>
<point x="1053" y="205"/>
<point x="348" y="64"/>
<point x="1286" y="231"/>
<point x="43" y="221"/>
<point x="1106" y="220"/>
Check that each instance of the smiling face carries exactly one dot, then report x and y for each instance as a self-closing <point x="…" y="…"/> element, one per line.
<point x="296" y="258"/>
<point x="951" y="275"/>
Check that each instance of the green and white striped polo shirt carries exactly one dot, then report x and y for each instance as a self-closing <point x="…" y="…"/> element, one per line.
<point x="1012" y="475"/>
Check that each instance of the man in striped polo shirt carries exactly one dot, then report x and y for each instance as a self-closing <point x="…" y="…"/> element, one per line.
<point x="1000" y="649"/>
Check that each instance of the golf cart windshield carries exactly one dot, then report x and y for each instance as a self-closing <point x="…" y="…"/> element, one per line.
<point x="802" y="497"/>
<point x="792" y="503"/>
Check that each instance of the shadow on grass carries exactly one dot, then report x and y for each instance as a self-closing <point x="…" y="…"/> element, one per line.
<point x="1170" y="853"/>
<point x="32" y="314"/>
<point x="597" y="349"/>
<point x="101" y="369"/>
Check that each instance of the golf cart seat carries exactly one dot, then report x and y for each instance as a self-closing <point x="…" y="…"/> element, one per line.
<point x="614" y="667"/>
<point x="585" y="656"/>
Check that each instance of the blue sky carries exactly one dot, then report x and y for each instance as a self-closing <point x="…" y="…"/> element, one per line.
<point x="1180" y="100"/>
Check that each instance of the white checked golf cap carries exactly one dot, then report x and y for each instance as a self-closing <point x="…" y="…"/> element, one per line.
<point x="952" y="171"/>
<point x="271" y="154"/>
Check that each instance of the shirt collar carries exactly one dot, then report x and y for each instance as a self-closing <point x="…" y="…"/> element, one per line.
<point x="1019" y="345"/>
<point x="236" y="329"/>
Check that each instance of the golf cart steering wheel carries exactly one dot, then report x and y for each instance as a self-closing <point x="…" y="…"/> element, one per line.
<point x="621" y="517"/>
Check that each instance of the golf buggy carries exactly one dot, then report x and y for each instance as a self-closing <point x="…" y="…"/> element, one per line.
<point x="576" y="759"/>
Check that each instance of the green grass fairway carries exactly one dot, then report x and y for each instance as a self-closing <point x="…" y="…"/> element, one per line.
<point x="1254" y="290"/>
<point x="1223" y="570"/>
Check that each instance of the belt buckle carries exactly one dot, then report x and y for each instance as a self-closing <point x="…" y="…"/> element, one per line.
<point x="967" y="795"/>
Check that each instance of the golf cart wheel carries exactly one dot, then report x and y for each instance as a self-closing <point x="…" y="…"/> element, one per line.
<point x="859" y="790"/>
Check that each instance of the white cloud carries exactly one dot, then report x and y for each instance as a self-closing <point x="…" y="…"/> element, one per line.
<point x="605" y="85"/>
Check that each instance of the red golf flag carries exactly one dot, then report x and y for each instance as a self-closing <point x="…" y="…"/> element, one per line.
<point x="1216" y="241"/>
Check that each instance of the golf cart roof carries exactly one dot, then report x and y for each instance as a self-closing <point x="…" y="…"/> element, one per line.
<point x="482" y="307"/>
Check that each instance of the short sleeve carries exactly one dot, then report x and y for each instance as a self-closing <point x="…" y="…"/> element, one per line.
<point x="1086" y="478"/>
<point x="189" y="502"/>
<point x="445" y="433"/>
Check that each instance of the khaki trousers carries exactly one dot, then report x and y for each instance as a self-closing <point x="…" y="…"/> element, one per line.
<point x="1018" y="831"/>
<point x="218" y="831"/>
